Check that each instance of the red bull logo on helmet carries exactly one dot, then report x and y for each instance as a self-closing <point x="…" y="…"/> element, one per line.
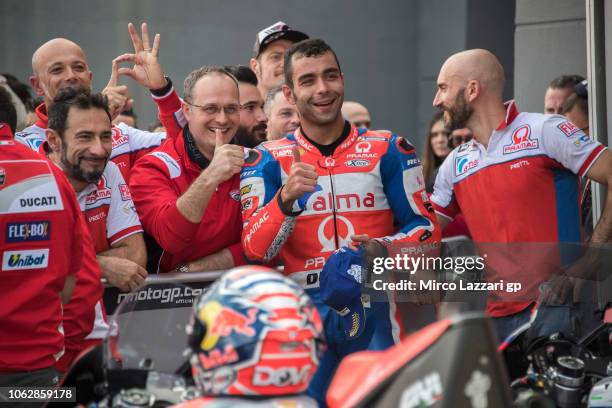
<point x="222" y="321"/>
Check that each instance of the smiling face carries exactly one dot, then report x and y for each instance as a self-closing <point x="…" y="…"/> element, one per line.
<point x="59" y="64"/>
<point x="86" y="144"/>
<point x="450" y="97"/>
<point x="218" y="107"/>
<point x="318" y="88"/>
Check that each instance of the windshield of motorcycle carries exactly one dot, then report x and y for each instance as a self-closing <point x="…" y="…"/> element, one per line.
<point x="147" y="330"/>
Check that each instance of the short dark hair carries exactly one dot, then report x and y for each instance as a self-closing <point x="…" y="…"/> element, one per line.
<point x="242" y="74"/>
<point x="8" y="114"/>
<point x="79" y="98"/>
<point x="565" y="81"/>
<point x="574" y="100"/>
<point x="308" y="48"/>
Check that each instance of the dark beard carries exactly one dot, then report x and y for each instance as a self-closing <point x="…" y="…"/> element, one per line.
<point x="247" y="139"/>
<point x="459" y="114"/>
<point x="76" y="172"/>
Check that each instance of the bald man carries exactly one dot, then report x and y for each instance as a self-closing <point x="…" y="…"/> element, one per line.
<point x="515" y="182"/>
<point x="61" y="63"/>
<point x="356" y="113"/>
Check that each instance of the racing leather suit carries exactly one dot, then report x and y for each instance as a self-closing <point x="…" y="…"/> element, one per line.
<point x="371" y="184"/>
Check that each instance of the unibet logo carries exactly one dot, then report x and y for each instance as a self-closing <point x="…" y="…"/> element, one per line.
<point x="18" y="260"/>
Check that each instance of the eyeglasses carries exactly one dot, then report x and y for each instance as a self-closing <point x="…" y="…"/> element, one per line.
<point x="457" y="139"/>
<point x="212" y="109"/>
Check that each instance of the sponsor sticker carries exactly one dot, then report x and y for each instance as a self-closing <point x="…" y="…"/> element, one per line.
<point x="28" y="231"/>
<point x="245" y="189"/>
<point x="235" y="195"/>
<point x="247" y="204"/>
<point x="568" y="128"/>
<point x="125" y="192"/>
<point x="463" y="165"/>
<point x="357" y="163"/>
<point x="22" y="260"/>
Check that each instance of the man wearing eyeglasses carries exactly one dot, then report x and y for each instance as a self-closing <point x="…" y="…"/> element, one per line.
<point x="187" y="192"/>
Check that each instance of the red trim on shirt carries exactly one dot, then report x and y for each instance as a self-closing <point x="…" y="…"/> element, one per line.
<point x="125" y="233"/>
<point x="589" y="161"/>
<point x="511" y="114"/>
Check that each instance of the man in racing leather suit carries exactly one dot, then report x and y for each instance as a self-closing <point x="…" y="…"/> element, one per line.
<point x="328" y="184"/>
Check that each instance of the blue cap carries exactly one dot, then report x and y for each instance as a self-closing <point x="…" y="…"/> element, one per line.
<point x="340" y="289"/>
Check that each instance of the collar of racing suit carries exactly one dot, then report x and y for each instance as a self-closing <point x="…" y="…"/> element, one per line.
<point x="41" y="113"/>
<point x="328" y="150"/>
<point x="511" y="114"/>
<point x="192" y="150"/>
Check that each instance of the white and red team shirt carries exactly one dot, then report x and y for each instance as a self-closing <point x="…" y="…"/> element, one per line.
<point x="111" y="216"/>
<point x="129" y="143"/>
<point x="109" y="210"/>
<point x="43" y="239"/>
<point x="522" y="188"/>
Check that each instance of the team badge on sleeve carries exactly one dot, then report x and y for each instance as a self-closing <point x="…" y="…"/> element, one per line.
<point x="568" y="128"/>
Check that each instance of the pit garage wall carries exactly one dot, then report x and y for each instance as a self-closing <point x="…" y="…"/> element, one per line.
<point x="549" y="40"/>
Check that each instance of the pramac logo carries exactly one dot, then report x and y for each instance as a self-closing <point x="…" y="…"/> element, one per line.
<point x="101" y="192"/>
<point x="326" y="232"/>
<point x="521" y="141"/>
<point x="363" y="147"/>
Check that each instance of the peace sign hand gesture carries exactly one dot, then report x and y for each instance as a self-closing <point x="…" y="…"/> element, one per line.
<point x="146" y="70"/>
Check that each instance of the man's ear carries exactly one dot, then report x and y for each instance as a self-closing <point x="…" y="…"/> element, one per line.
<point x="35" y="82"/>
<point x="288" y="94"/>
<point x="473" y="90"/>
<point x="255" y="66"/>
<point x="53" y="140"/>
<point x="186" y="110"/>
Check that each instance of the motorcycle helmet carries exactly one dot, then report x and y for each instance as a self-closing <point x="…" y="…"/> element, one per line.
<point x="254" y="333"/>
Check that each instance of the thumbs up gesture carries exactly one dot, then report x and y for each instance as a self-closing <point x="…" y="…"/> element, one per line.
<point x="227" y="160"/>
<point x="302" y="179"/>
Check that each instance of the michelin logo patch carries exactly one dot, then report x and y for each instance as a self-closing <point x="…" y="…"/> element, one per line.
<point x="28" y="231"/>
<point x="22" y="260"/>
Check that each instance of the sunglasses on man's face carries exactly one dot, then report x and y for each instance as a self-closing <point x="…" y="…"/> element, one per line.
<point x="458" y="139"/>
